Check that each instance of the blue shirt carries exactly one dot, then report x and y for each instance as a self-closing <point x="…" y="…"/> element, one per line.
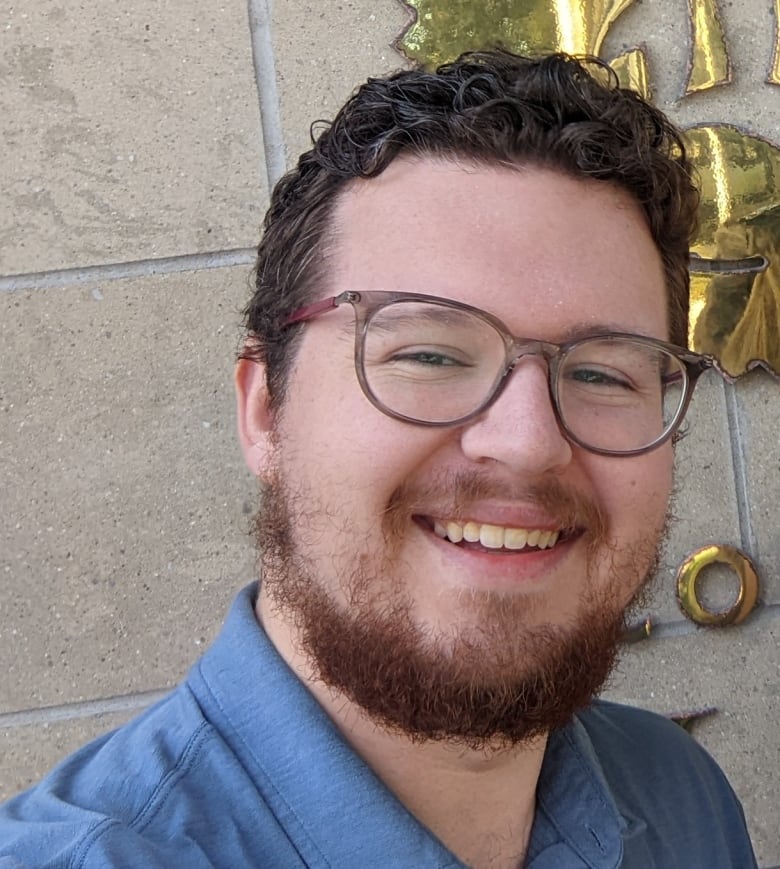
<point x="240" y="767"/>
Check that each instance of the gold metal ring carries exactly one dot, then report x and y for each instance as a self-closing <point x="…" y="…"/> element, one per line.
<point x="689" y="571"/>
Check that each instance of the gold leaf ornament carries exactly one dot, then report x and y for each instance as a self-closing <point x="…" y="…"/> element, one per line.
<point x="735" y="314"/>
<point x="710" y="63"/>
<point x="443" y="29"/>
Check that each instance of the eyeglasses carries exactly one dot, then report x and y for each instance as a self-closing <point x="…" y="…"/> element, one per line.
<point x="437" y="362"/>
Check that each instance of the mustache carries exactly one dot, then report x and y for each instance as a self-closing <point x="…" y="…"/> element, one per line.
<point x="454" y="493"/>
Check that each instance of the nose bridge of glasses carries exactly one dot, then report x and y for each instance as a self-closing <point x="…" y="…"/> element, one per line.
<point x="519" y="348"/>
<point x="522" y="404"/>
<point x="542" y="353"/>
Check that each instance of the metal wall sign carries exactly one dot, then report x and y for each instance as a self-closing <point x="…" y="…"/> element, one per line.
<point x="735" y="265"/>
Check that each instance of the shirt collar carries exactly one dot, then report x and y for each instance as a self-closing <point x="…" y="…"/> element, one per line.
<point x="574" y="800"/>
<point x="339" y="813"/>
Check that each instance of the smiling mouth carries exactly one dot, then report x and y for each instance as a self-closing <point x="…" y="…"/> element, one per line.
<point x="497" y="538"/>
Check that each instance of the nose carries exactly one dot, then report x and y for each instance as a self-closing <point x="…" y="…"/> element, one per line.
<point x="520" y="429"/>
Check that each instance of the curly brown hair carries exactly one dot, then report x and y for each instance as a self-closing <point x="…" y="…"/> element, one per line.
<point x="492" y="107"/>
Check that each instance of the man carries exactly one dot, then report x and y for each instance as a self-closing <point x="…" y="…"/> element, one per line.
<point x="460" y="388"/>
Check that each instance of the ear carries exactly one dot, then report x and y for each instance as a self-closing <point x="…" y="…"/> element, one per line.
<point x="255" y="419"/>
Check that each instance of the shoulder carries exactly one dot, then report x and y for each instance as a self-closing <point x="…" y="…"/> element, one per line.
<point x="117" y="782"/>
<point x="662" y="778"/>
<point x="645" y="747"/>
<point x="170" y="788"/>
<point x="644" y="739"/>
<point x="607" y="722"/>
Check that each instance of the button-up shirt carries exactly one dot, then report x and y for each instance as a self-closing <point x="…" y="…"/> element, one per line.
<point x="240" y="767"/>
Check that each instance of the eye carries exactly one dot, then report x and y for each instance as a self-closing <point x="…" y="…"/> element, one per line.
<point x="600" y="377"/>
<point x="426" y="357"/>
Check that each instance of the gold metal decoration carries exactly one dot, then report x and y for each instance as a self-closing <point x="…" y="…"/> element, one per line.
<point x="637" y="631"/>
<point x="774" y="73"/>
<point x="689" y="572"/>
<point x="735" y="314"/>
<point x="710" y="64"/>
<point x="442" y="29"/>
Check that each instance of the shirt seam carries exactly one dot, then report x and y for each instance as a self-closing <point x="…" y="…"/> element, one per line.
<point x="162" y="791"/>
<point x="90" y="838"/>
<point x="153" y="803"/>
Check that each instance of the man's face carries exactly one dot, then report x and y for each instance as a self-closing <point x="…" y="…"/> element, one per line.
<point x="391" y="611"/>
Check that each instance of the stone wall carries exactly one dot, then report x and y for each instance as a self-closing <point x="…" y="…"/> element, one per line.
<point x="138" y="150"/>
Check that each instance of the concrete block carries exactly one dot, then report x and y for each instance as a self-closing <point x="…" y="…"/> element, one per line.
<point x="126" y="501"/>
<point x="323" y="53"/>
<point x="758" y="399"/>
<point x="28" y="753"/>
<point x="128" y="132"/>
<point x="737" y="671"/>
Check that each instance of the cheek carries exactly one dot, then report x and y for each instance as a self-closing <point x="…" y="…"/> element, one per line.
<point x="334" y="437"/>
<point x="652" y="496"/>
<point x="635" y="492"/>
<point x="339" y="449"/>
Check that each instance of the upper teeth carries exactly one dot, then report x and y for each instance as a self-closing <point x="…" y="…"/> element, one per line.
<point x="496" y="536"/>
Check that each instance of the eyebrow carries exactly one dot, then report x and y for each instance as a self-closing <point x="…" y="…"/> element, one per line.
<point x="390" y="317"/>
<point x="587" y="329"/>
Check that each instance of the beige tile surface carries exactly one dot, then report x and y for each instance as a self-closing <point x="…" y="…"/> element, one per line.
<point x="736" y="670"/>
<point x="129" y="131"/>
<point x="324" y="51"/>
<point x="126" y="501"/>
<point x="758" y="398"/>
<point x="28" y="753"/>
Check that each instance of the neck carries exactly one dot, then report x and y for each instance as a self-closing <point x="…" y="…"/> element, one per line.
<point x="479" y="803"/>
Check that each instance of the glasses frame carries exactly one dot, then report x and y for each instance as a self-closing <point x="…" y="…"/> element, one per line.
<point x="366" y="303"/>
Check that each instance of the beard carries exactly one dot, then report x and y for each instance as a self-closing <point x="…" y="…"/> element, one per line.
<point x="494" y="680"/>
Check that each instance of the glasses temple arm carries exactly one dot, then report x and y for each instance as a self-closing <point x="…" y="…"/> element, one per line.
<point x="309" y="311"/>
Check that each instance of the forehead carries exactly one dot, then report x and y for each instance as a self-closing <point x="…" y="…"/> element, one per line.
<point x="535" y="247"/>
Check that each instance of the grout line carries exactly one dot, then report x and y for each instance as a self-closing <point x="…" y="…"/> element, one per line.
<point x="116" y="271"/>
<point x="267" y="92"/>
<point x="684" y="627"/>
<point x="736" y="436"/>
<point x="85" y="709"/>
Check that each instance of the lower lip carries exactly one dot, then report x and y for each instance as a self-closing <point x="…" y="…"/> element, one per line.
<point x="501" y="569"/>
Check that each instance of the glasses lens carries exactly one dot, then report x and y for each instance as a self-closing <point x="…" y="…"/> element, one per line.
<point x="619" y="394"/>
<point x="430" y="362"/>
